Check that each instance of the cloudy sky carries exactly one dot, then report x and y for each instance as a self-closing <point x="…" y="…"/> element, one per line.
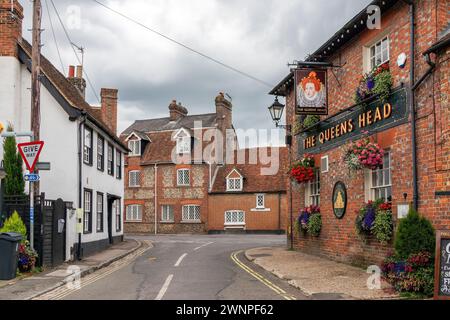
<point x="258" y="37"/>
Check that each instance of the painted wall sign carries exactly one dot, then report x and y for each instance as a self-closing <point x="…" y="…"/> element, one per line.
<point x="442" y="266"/>
<point x="311" y="91"/>
<point x="350" y="124"/>
<point x="339" y="199"/>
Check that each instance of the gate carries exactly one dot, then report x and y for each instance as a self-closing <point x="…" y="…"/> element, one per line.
<point x="49" y="225"/>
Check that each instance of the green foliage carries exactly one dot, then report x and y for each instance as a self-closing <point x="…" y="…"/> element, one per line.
<point x="310" y="120"/>
<point x="15" y="224"/>
<point x="382" y="227"/>
<point x="415" y="234"/>
<point x="315" y="224"/>
<point x="13" y="164"/>
<point x="383" y="85"/>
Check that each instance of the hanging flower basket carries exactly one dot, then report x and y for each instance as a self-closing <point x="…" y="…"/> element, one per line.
<point x="377" y="82"/>
<point x="310" y="221"/>
<point x="364" y="154"/>
<point x="375" y="218"/>
<point x="303" y="170"/>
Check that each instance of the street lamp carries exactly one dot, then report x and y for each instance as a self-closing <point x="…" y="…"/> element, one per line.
<point x="276" y="112"/>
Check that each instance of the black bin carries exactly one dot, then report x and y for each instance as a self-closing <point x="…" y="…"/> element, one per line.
<point x="9" y="249"/>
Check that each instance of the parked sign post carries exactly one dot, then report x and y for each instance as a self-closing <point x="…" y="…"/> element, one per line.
<point x="30" y="152"/>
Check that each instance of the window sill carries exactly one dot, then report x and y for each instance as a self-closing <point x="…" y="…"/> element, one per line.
<point x="167" y="222"/>
<point x="191" y="222"/>
<point x="133" y="221"/>
<point x="231" y="191"/>
<point x="235" y="226"/>
<point x="260" y="209"/>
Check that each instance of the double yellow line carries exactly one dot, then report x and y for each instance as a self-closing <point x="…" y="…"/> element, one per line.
<point x="64" y="291"/>
<point x="260" y="278"/>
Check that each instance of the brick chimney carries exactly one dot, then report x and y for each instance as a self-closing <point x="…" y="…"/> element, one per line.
<point x="109" y="108"/>
<point x="77" y="79"/>
<point x="224" y="110"/>
<point x="11" y="15"/>
<point x="177" y="111"/>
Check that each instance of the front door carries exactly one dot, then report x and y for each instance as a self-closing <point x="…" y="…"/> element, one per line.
<point x="59" y="233"/>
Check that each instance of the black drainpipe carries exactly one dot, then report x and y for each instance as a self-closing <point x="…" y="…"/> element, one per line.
<point x="412" y="105"/>
<point x="80" y="173"/>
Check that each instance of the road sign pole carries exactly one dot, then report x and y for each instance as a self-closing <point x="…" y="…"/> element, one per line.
<point x="31" y="214"/>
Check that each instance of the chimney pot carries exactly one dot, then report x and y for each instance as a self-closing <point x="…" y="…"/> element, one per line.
<point x="71" y="71"/>
<point x="79" y="72"/>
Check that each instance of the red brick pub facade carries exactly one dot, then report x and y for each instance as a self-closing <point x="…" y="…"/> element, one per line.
<point x="352" y="50"/>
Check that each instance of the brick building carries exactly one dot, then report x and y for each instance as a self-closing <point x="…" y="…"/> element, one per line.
<point x="170" y="172"/>
<point x="242" y="198"/>
<point x="414" y="42"/>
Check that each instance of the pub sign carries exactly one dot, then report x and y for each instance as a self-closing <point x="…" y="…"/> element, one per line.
<point x="311" y="91"/>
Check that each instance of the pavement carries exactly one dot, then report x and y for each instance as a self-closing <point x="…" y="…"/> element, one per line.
<point x="26" y="288"/>
<point x="318" y="277"/>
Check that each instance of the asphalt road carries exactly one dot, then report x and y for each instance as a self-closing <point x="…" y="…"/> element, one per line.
<point x="190" y="267"/>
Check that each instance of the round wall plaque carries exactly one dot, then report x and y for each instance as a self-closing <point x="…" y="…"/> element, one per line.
<point x="339" y="199"/>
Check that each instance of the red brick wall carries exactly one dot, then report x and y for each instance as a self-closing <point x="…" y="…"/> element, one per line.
<point x="10" y="27"/>
<point x="272" y="220"/>
<point x="338" y="238"/>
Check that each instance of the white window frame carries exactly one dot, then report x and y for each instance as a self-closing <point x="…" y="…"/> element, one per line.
<point x="191" y="216"/>
<point x="183" y="179"/>
<point x="371" y="63"/>
<point x="100" y="209"/>
<point x="263" y="206"/>
<point x="118" y="214"/>
<point x="183" y="139"/>
<point x="100" y="152"/>
<point x="386" y="174"/>
<point x="134" y="179"/>
<point x="235" y="216"/>
<point x="167" y="213"/>
<point x="88" y="142"/>
<point x="312" y="190"/>
<point x="234" y="184"/>
<point x="134" y="213"/>
<point x="135" y="148"/>
<point x="322" y="170"/>
<point x="87" y="223"/>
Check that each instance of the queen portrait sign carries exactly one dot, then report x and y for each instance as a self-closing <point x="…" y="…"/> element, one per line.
<point x="311" y="91"/>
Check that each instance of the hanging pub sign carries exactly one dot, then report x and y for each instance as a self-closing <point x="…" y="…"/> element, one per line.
<point x="339" y="199"/>
<point x="311" y="91"/>
<point x="442" y="266"/>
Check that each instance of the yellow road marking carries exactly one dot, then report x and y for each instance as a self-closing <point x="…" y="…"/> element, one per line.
<point x="64" y="291"/>
<point x="260" y="278"/>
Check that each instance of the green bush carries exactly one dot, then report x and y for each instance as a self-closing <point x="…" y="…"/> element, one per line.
<point x="12" y="161"/>
<point x="310" y="120"/>
<point x="415" y="234"/>
<point x="15" y="224"/>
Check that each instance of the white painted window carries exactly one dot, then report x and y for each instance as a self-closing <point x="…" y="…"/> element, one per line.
<point x="234" y="184"/>
<point x="87" y="223"/>
<point x="134" y="212"/>
<point x="167" y="213"/>
<point x="87" y="150"/>
<point x="379" y="182"/>
<point x="110" y="160"/>
<point x="260" y="201"/>
<point x="135" y="147"/>
<point x="100" y="153"/>
<point x="324" y="164"/>
<point x="312" y="190"/>
<point x="183" y="177"/>
<point x="134" y="178"/>
<point x="99" y="212"/>
<point x="379" y="53"/>
<point x="118" y="214"/>
<point x="234" y="217"/>
<point x="191" y="213"/>
<point x="118" y="164"/>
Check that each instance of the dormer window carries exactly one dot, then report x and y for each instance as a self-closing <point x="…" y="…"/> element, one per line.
<point x="183" y="139"/>
<point x="234" y="181"/>
<point x="135" y="147"/>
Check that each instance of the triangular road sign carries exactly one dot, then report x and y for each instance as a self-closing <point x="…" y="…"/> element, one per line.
<point x="30" y="152"/>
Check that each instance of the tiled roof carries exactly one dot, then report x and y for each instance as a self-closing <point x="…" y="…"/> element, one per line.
<point x="163" y="124"/>
<point x="69" y="92"/>
<point x="253" y="180"/>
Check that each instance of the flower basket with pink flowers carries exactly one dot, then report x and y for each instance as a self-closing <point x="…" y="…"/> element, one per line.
<point x="364" y="154"/>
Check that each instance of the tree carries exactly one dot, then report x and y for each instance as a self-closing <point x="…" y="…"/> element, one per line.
<point x="13" y="164"/>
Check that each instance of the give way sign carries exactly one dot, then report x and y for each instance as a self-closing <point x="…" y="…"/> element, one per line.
<point x="30" y="152"/>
